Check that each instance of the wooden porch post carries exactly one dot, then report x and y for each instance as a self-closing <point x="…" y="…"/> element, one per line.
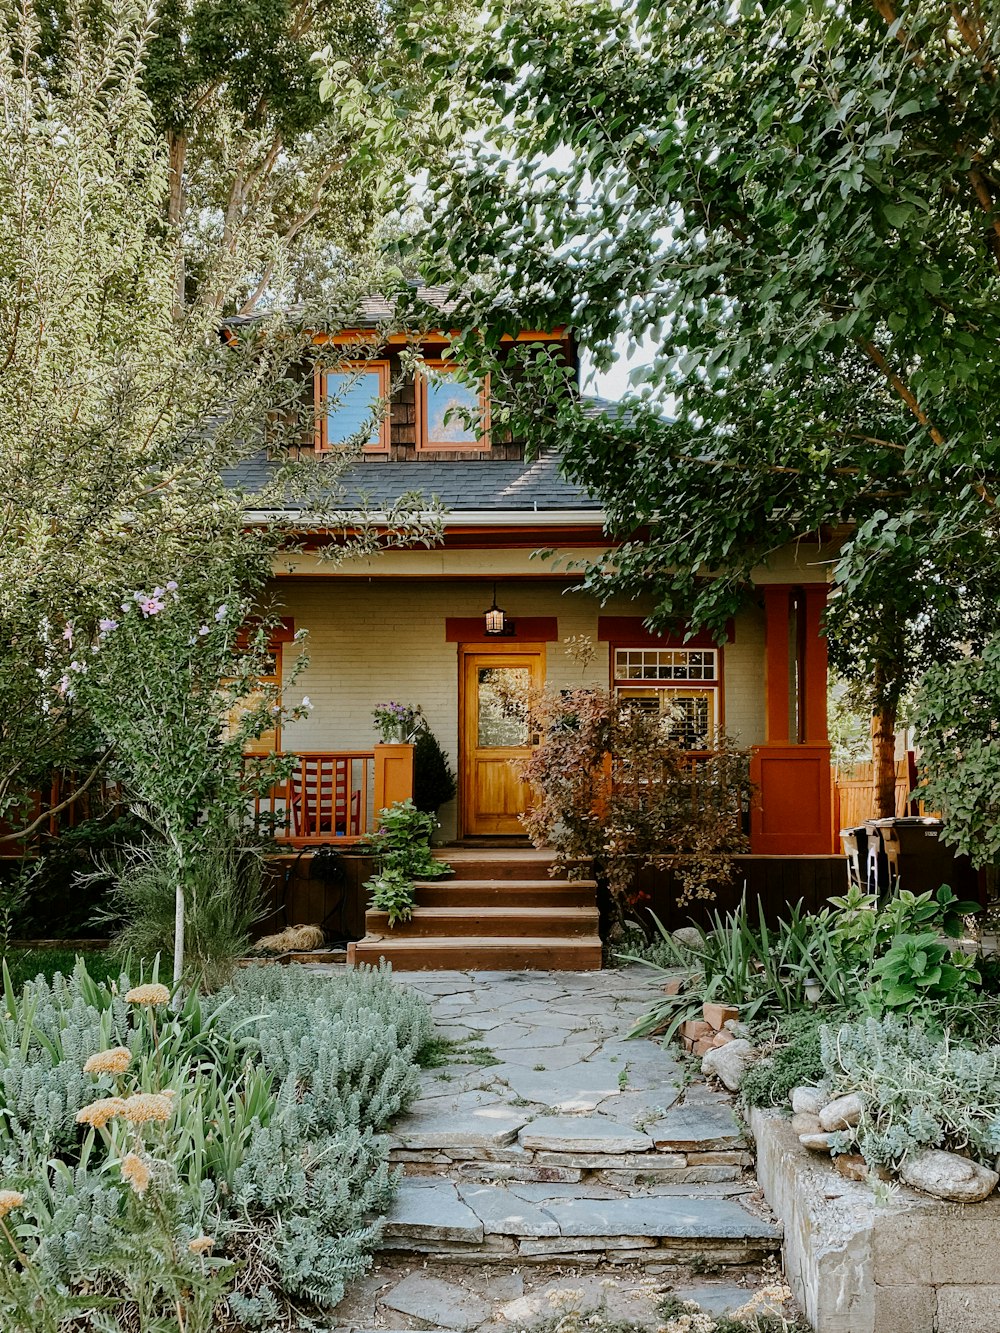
<point x="814" y="677"/>
<point x="393" y="775"/>
<point x="777" y="607"/>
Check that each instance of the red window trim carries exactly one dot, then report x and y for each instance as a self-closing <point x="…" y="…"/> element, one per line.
<point x="631" y="632"/>
<point x="375" y="366"/>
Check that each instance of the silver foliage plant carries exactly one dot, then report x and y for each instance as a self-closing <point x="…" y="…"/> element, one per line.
<point x="283" y="1084"/>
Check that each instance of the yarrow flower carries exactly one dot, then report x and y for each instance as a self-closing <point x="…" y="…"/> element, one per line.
<point x="114" y="1061"/>
<point x="9" y="1200"/>
<point x="136" y="1172"/>
<point x="97" y="1114"/>
<point x="201" y="1244"/>
<point x="153" y="993"/>
<point x="143" y="1107"/>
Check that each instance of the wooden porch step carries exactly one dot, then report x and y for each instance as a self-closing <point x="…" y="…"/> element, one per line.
<point x="480" y="954"/>
<point x="505" y="892"/>
<point x="497" y="862"/>
<point x="518" y="922"/>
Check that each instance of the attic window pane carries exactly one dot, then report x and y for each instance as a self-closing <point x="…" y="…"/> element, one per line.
<point x="452" y="410"/>
<point x="351" y="397"/>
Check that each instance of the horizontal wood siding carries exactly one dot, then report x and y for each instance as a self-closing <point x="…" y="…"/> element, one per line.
<point x="776" y="880"/>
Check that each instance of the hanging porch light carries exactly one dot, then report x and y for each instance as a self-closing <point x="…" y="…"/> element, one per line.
<point x="497" y="624"/>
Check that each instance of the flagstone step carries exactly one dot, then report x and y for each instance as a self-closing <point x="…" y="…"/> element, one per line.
<point x="502" y="923"/>
<point x="552" y="953"/>
<point x="442" y="1218"/>
<point x="500" y="892"/>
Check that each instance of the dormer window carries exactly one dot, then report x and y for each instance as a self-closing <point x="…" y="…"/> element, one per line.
<point x="451" y="413"/>
<point x="349" y="399"/>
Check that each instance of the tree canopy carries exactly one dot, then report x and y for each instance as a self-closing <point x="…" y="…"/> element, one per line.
<point x="796" y="205"/>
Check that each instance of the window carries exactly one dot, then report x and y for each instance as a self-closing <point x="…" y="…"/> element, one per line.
<point x="678" y="684"/>
<point x="347" y="399"/>
<point x="449" y="410"/>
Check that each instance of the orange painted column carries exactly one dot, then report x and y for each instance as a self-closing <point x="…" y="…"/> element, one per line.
<point x="776" y="677"/>
<point x="815" y="675"/>
<point x="393" y="775"/>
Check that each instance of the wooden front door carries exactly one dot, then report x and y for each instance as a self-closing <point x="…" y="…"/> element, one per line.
<point x="494" y="731"/>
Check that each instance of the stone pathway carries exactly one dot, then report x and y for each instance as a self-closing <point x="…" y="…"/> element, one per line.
<point x="551" y="1138"/>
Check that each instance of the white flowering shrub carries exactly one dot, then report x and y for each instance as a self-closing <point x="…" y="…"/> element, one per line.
<point x="226" y="1160"/>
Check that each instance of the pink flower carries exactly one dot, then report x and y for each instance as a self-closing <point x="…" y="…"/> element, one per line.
<point x="68" y="634"/>
<point x="171" y="585"/>
<point x="151" y="606"/>
<point x="106" y="626"/>
<point x="220" y="615"/>
<point x="63" y="688"/>
<point x="204" y="630"/>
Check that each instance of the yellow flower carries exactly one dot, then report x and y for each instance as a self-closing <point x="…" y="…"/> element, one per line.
<point x="9" y="1200"/>
<point x="136" y="1172"/>
<point x="99" y="1113"/>
<point x="142" y="1107"/>
<point x="201" y="1244"/>
<point x="115" y="1061"/>
<point x="153" y="994"/>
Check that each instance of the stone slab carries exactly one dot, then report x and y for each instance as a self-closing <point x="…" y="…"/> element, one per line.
<point x="436" y="1302"/>
<point x="577" y="1087"/>
<point x="495" y="1125"/>
<point x="698" y="1127"/>
<point x="692" y="1218"/>
<point x="431" y="1210"/>
<point x="503" y="1213"/>
<point x="582" y="1134"/>
<point x="594" y="1161"/>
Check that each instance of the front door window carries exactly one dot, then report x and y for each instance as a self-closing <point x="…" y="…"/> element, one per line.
<point x="503" y="694"/>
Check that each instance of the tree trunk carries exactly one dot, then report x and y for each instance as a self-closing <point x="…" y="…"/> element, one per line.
<point x="884" y="759"/>
<point x="180" y="871"/>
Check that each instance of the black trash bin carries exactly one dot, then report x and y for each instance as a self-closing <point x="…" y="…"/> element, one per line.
<point x="914" y="857"/>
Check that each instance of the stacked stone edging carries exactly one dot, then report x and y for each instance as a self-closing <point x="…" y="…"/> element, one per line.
<point x="915" y="1265"/>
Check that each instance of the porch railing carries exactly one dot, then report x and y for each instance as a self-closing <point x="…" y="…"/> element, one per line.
<point x="334" y="795"/>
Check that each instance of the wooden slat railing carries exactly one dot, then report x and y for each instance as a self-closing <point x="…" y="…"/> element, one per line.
<point x="328" y="796"/>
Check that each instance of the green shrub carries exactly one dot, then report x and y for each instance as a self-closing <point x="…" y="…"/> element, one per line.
<point x="281" y="1086"/>
<point x="790" y="1057"/>
<point x="402" y="843"/>
<point x="434" y="781"/>
<point x="225" y="896"/>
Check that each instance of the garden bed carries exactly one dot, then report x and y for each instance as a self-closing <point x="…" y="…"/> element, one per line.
<point x="857" y="1265"/>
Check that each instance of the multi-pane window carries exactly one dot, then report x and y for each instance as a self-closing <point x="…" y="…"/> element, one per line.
<point x="680" y="685"/>
<point x="451" y="413"/>
<point x="352" y="401"/>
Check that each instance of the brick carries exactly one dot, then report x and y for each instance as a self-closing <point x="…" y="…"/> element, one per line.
<point x="693" y="1028"/>
<point x="966" y="1309"/>
<point x="911" y="1308"/>
<point x="718" y="1014"/>
<point x="673" y="986"/>
<point x="702" y="1045"/>
<point x="722" y="1038"/>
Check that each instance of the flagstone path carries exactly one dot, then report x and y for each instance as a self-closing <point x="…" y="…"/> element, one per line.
<point x="551" y="1137"/>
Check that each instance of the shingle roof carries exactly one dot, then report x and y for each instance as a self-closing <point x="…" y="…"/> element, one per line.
<point x="459" y="484"/>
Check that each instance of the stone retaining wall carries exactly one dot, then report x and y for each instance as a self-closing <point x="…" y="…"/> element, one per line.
<point x="916" y="1265"/>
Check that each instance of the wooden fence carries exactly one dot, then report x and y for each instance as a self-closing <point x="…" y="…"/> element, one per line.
<point x="854" y="792"/>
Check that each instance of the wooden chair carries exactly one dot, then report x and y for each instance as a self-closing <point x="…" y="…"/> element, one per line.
<point x="321" y="798"/>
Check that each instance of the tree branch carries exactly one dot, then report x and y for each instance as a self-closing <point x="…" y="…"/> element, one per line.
<point x="56" y="809"/>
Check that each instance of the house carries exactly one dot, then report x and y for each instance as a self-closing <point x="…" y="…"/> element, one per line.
<point x="440" y="626"/>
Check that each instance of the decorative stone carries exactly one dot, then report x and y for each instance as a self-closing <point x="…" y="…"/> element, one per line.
<point x="809" y="1100"/>
<point x="946" y="1175"/>
<point x="805" y="1123"/>
<point x="842" y="1113"/>
<point x="737" y="1028"/>
<point x="583" y="1134"/>
<point x="438" y="1303"/>
<point x="719" y="1014"/>
<point x="815" y="1142"/>
<point x="852" y="1166"/>
<point x="728" y="1063"/>
<point x="688" y="937"/>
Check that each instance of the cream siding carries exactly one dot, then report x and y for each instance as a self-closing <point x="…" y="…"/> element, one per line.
<point x="377" y="639"/>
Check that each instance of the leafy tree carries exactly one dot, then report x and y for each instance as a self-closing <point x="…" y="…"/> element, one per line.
<point x="796" y="204"/>
<point x="118" y="420"/>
